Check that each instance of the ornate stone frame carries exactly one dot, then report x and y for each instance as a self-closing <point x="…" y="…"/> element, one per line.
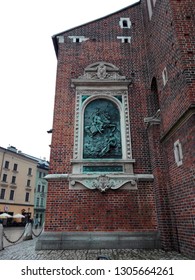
<point x="124" y="119"/>
<point x="102" y="80"/>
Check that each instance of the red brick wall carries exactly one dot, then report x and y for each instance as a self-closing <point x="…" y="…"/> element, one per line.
<point x="129" y="58"/>
<point x="87" y="210"/>
<point x="161" y="184"/>
<point x="170" y="43"/>
<point x="165" y="41"/>
<point x="181" y="188"/>
<point x="168" y="47"/>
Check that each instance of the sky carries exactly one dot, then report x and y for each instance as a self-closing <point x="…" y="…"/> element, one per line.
<point x="28" y="65"/>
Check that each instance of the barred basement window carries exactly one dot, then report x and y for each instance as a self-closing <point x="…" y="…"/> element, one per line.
<point x="178" y="153"/>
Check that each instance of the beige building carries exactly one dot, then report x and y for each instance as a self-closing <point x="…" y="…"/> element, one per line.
<point x="17" y="182"/>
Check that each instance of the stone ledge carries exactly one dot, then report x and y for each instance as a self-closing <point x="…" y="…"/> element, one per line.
<point x="103" y="181"/>
<point x="98" y="240"/>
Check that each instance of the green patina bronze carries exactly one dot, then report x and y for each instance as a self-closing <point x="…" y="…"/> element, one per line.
<point x="102" y="132"/>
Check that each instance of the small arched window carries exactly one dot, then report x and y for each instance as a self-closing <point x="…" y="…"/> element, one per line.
<point x="152" y="100"/>
<point x="125" y="23"/>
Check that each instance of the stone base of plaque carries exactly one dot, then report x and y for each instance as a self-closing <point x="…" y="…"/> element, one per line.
<point x="98" y="240"/>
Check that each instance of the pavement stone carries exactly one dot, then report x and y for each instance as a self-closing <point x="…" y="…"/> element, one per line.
<point x="25" y="250"/>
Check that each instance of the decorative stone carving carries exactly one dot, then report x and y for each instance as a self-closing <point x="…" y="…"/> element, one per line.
<point x="104" y="182"/>
<point x="101" y="70"/>
<point x="156" y="119"/>
<point x="111" y="95"/>
<point x="102" y="130"/>
<point x="102" y="138"/>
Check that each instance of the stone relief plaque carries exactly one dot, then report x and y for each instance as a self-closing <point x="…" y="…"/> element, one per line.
<point x="102" y="131"/>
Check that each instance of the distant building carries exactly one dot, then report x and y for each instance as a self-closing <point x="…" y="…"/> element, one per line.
<point x="17" y="182"/>
<point x="41" y="192"/>
<point x="22" y="184"/>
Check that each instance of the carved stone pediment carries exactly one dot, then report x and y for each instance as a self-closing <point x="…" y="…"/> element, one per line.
<point x="101" y="71"/>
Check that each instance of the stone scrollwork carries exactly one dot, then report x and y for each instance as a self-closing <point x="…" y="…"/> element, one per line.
<point x="104" y="182"/>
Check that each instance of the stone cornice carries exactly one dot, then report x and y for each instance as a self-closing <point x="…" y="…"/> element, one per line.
<point x="100" y="83"/>
<point x="102" y="182"/>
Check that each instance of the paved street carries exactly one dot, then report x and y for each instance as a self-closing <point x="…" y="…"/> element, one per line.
<point x="25" y="250"/>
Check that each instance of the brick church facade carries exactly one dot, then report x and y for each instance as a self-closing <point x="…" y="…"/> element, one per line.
<point x="122" y="164"/>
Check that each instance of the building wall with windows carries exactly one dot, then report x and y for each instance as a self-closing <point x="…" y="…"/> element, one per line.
<point x="17" y="182"/>
<point x="141" y="59"/>
<point x="41" y="192"/>
<point x="170" y="32"/>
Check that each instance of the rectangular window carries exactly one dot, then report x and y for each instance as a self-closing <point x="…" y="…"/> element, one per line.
<point x="41" y="202"/>
<point x="27" y="197"/>
<point x="43" y="188"/>
<point x="6" y="164"/>
<point x="30" y="171"/>
<point x="38" y="188"/>
<point x="2" y="194"/>
<point x="15" y="167"/>
<point x="40" y="174"/>
<point x="28" y="183"/>
<point x="13" y="180"/>
<point x="11" y="195"/>
<point x="4" y="178"/>
<point x="165" y="76"/>
<point x="178" y="153"/>
<point x="37" y="202"/>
